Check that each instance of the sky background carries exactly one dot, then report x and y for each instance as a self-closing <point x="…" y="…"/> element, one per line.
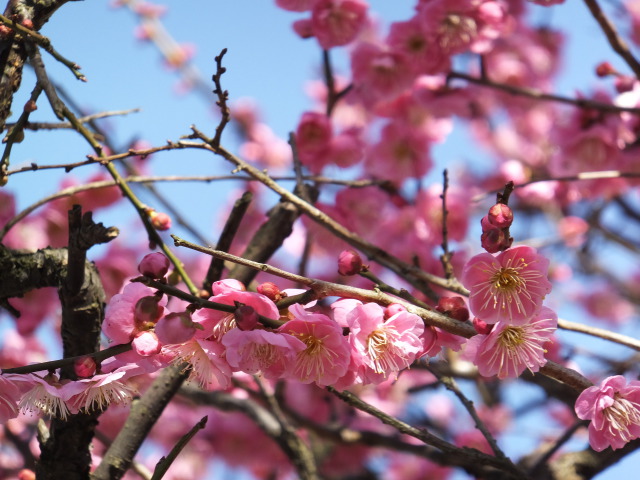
<point x="266" y="61"/>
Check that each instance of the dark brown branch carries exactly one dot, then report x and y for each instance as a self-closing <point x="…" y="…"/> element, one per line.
<point x="223" y="97"/>
<point x="214" y="273"/>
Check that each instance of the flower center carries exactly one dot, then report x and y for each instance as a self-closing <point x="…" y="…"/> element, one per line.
<point x="266" y="354"/>
<point x="622" y="414"/>
<point x="456" y="31"/>
<point x="512" y="337"/>
<point x="507" y="279"/>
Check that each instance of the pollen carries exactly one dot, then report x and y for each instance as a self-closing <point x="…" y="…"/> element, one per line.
<point x="512" y="337"/>
<point x="508" y="279"/>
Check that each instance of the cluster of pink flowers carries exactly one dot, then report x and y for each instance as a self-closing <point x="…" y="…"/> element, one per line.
<point x="506" y="292"/>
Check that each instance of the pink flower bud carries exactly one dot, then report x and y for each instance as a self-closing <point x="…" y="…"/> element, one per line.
<point x="271" y="291"/>
<point x="494" y="240"/>
<point x="147" y="312"/>
<point x="482" y="327"/>
<point x="246" y="317"/>
<point x="391" y="310"/>
<point x="154" y="265"/>
<point x="146" y="344"/>
<point x="349" y="263"/>
<point x="160" y="221"/>
<point x="500" y="215"/>
<point x="605" y="69"/>
<point x="175" y="328"/>
<point x="454" y="307"/>
<point x="303" y="28"/>
<point x="84" y="367"/>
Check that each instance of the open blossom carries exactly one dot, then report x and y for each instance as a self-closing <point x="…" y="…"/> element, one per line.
<point x="49" y="395"/>
<point x="101" y="390"/>
<point x="9" y="397"/>
<point x="208" y="366"/>
<point x="326" y="356"/>
<point x="383" y="347"/>
<point x="338" y="22"/>
<point x="508" y="350"/>
<point x="260" y="351"/>
<point x="509" y="287"/>
<point x="614" y="411"/>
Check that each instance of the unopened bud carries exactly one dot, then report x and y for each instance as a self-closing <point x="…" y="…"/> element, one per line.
<point x="26" y="474"/>
<point x="349" y="263"/>
<point x="175" y="328"/>
<point x="391" y="310"/>
<point x="271" y="291"/>
<point x="454" y="307"/>
<point x="84" y="367"/>
<point x="494" y="240"/>
<point x="160" y="221"/>
<point x="147" y="312"/>
<point x="154" y="265"/>
<point x="30" y="106"/>
<point x="246" y="317"/>
<point x="482" y="327"/>
<point x="27" y="23"/>
<point x="605" y="69"/>
<point x="500" y="215"/>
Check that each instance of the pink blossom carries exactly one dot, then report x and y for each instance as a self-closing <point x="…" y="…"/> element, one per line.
<point x="379" y="73"/>
<point x="409" y="39"/>
<point x="508" y="349"/>
<point x="313" y="135"/>
<point x="99" y="391"/>
<point x="48" y="395"/>
<point x="509" y="287"/>
<point x="338" y="22"/>
<point x="296" y="5"/>
<point x="9" y="398"/>
<point x="260" y="351"/>
<point x="399" y="155"/>
<point x="175" y="328"/>
<point x="383" y="347"/>
<point x="146" y="343"/>
<point x="326" y="356"/>
<point x="154" y="265"/>
<point x="216" y="323"/>
<point x="614" y="411"/>
<point x="208" y="365"/>
<point x="120" y="322"/>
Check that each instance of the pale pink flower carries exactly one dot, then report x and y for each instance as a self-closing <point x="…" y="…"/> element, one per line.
<point x="338" y="22"/>
<point x="508" y="349"/>
<point x="49" y="395"/>
<point x="383" y="347"/>
<point x="260" y="351"/>
<point x="99" y="391"/>
<point x="9" y="398"/>
<point x="410" y="39"/>
<point x="208" y="365"/>
<point x="614" y="411"/>
<point x="509" y="287"/>
<point x="326" y="356"/>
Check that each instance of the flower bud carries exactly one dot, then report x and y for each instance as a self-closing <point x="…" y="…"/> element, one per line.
<point x="84" y="367"/>
<point x="154" y="265"/>
<point x="30" y="106"/>
<point x="146" y="344"/>
<point x="271" y="291"/>
<point x="494" y="240"/>
<point x="147" y="312"/>
<point x="246" y="317"/>
<point x="454" y="307"/>
<point x="175" y="328"/>
<point x="391" y="310"/>
<point x="26" y="474"/>
<point x="349" y="263"/>
<point x="482" y="327"/>
<point x="160" y="221"/>
<point x="605" y="69"/>
<point x="500" y="215"/>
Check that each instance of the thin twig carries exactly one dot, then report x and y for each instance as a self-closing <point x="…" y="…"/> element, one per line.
<point x="600" y="333"/>
<point x="445" y="258"/>
<point x="223" y="96"/>
<point x="616" y="42"/>
<point x="35" y="126"/>
<point x="539" y="95"/>
<point x="165" y="462"/>
<point x="45" y="43"/>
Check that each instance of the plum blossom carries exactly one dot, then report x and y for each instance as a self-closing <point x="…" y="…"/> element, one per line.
<point x="260" y="351"/>
<point x="508" y="349"/>
<point x="383" y="347"/>
<point x="48" y="395"/>
<point x="614" y="411"/>
<point x="208" y="366"/>
<point x="509" y="287"/>
<point x="338" y="22"/>
<point x="326" y="356"/>
<point x="9" y="397"/>
<point x="101" y="390"/>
